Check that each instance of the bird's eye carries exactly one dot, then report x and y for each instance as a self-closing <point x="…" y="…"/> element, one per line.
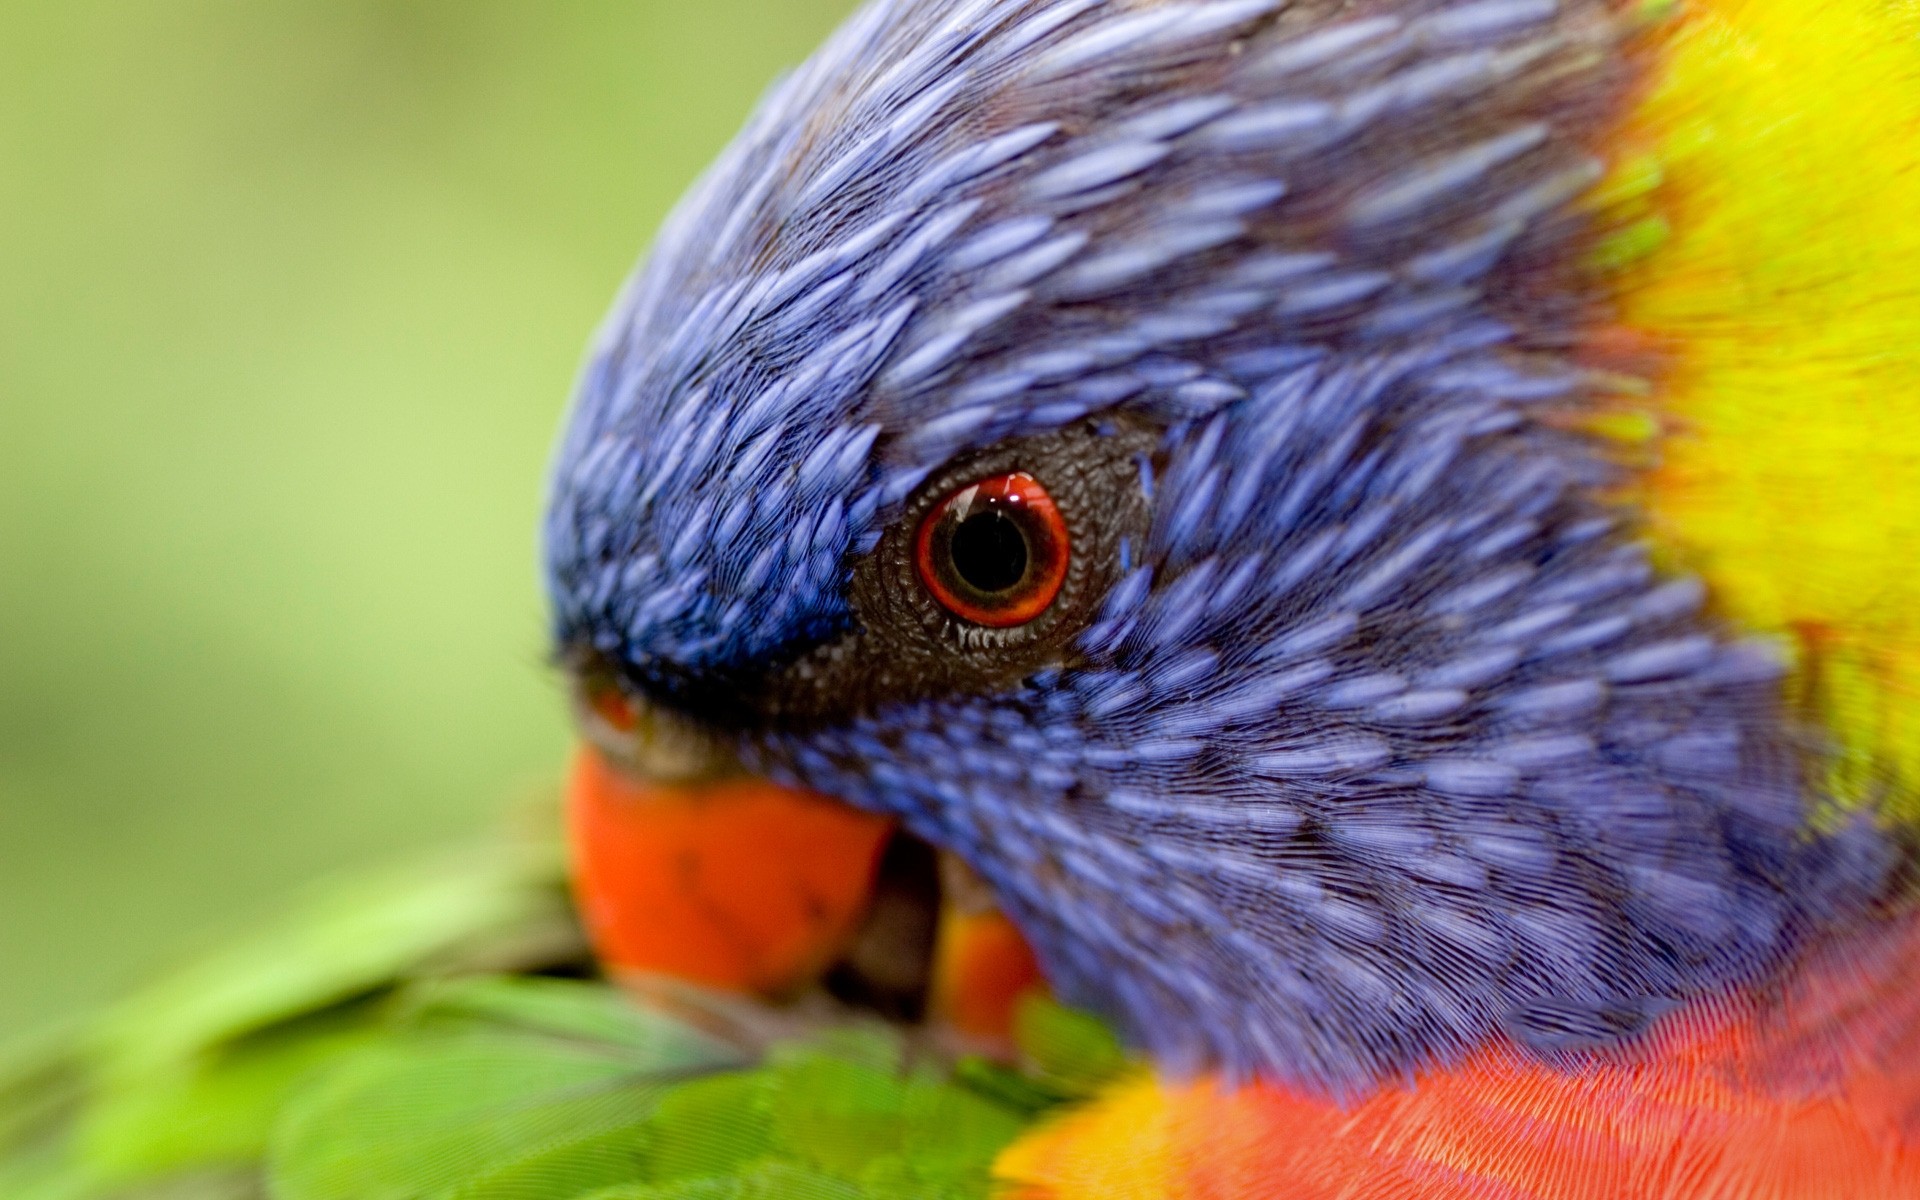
<point x="994" y="553"/>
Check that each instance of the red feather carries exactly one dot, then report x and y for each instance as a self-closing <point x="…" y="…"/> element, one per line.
<point x="1811" y="1090"/>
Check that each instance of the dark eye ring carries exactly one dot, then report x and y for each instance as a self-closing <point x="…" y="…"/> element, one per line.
<point x="995" y="552"/>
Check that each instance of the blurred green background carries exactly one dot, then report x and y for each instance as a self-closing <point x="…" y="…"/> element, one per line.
<point x="291" y="296"/>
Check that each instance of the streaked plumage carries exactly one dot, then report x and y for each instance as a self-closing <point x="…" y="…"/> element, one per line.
<point x="1390" y="736"/>
<point x="1471" y="752"/>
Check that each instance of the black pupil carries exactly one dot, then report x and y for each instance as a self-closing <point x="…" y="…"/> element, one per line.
<point x="989" y="552"/>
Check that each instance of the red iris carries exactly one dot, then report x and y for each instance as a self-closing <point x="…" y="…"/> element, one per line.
<point x="995" y="552"/>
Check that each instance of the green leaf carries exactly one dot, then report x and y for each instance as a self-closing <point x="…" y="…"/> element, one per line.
<point x="713" y="1127"/>
<point x="837" y="1115"/>
<point x="520" y="1087"/>
<point x="340" y="1057"/>
<point x="768" y="1181"/>
<point x="1073" y="1052"/>
<point x="466" y="1115"/>
<point x="856" y="1122"/>
<point x="1005" y="1086"/>
<point x="174" y="1092"/>
<point x="345" y="944"/>
<point x="879" y="1048"/>
<point x="591" y="1014"/>
<point x="217" y="1111"/>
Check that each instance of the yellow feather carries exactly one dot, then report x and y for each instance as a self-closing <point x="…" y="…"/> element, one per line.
<point x="1117" y="1148"/>
<point x="1769" y="208"/>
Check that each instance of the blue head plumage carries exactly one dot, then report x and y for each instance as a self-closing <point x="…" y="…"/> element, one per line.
<point x="1365" y="730"/>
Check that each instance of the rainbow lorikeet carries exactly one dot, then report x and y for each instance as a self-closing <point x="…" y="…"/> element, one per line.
<point x="1362" y="545"/>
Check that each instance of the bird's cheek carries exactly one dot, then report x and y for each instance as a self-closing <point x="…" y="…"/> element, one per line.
<point x="733" y="883"/>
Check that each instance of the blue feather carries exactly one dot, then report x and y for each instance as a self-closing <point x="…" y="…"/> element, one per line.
<point x="1384" y="688"/>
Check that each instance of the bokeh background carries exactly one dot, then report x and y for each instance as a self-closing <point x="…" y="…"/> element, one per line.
<point x="291" y="297"/>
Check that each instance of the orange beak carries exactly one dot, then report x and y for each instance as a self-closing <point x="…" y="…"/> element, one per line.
<point x="742" y="885"/>
<point x="735" y="883"/>
<point x="982" y="969"/>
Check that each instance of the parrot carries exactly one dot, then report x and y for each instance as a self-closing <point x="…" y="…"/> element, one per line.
<point x="1172" y="599"/>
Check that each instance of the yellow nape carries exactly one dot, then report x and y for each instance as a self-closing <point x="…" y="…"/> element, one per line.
<point x="1767" y="197"/>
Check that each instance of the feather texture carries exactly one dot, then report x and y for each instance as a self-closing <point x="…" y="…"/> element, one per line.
<point x="1813" y="1092"/>
<point x="1773" y="166"/>
<point x="1763" y="259"/>
<point x="1394" y="736"/>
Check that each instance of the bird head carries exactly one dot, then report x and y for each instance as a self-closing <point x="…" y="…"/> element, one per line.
<point x="1136" y="446"/>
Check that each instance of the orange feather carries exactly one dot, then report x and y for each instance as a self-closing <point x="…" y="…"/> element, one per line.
<point x="1808" y="1093"/>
